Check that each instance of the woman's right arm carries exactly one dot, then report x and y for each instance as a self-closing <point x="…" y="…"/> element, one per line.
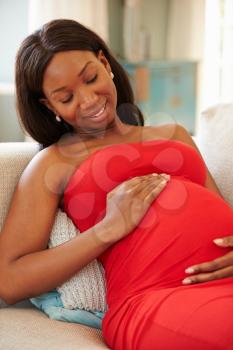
<point x="27" y="267"/>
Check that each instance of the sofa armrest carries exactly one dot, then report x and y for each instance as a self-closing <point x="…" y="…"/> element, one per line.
<point x="14" y="156"/>
<point x="215" y="141"/>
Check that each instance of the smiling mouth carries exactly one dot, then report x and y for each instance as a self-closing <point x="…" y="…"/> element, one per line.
<point x="99" y="112"/>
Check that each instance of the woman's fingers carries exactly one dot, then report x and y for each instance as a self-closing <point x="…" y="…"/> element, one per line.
<point x="146" y="179"/>
<point x="205" y="277"/>
<point x="154" y="190"/>
<point x="128" y="202"/>
<point x="213" y="265"/>
<point x="224" y="241"/>
<point x="143" y="195"/>
<point x="218" y="268"/>
<point x="140" y="184"/>
<point x="151" y="188"/>
<point x="134" y="184"/>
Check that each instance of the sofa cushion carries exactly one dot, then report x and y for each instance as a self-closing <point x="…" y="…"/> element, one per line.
<point x="14" y="156"/>
<point x="215" y="141"/>
<point x="86" y="289"/>
<point x="28" y="329"/>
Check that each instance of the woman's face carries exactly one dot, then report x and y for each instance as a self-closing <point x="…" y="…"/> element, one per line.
<point x="78" y="87"/>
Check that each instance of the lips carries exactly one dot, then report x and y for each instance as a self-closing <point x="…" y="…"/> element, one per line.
<point x="99" y="112"/>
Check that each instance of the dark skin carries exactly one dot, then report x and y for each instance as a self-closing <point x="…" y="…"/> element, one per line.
<point x="203" y="272"/>
<point x="211" y="270"/>
<point x="78" y="87"/>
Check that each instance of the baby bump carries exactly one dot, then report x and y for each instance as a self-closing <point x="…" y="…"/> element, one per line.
<point x="177" y="232"/>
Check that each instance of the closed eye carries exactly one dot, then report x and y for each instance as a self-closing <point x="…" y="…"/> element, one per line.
<point x="92" y="80"/>
<point x="68" y="99"/>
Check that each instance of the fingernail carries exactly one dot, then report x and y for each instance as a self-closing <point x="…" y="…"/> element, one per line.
<point x="166" y="176"/>
<point x="187" y="281"/>
<point x="218" y="241"/>
<point x="190" y="270"/>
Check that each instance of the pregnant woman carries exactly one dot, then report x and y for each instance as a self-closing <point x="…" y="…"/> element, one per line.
<point x="148" y="306"/>
<point x="74" y="98"/>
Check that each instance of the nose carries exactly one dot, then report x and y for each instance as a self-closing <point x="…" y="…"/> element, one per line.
<point x="87" y="98"/>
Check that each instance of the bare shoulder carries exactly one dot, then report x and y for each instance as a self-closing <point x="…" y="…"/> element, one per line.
<point x="179" y="132"/>
<point x="182" y="134"/>
<point x="166" y="131"/>
<point x="49" y="168"/>
<point x="40" y="163"/>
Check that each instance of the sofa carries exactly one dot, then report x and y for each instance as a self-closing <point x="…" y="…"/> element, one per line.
<point x="22" y="326"/>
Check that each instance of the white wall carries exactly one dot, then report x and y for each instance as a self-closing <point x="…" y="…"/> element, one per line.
<point x="145" y="29"/>
<point x="155" y="17"/>
<point x="92" y="13"/>
<point x="185" y="29"/>
<point x="13" y="28"/>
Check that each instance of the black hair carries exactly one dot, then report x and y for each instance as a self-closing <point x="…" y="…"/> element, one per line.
<point x="33" y="56"/>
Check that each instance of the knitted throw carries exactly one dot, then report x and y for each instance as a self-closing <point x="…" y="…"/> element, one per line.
<point x="86" y="289"/>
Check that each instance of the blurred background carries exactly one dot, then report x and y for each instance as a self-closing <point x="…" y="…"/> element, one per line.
<point x="178" y="53"/>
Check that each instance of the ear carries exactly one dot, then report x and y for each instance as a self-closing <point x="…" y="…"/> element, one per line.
<point x="101" y="57"/>
<point x="47" y="104"/>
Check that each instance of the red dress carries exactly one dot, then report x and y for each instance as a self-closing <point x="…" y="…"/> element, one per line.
<point x="148" y="307"/>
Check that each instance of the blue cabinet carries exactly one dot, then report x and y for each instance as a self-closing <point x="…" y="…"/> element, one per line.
<point x="165" y="91"/>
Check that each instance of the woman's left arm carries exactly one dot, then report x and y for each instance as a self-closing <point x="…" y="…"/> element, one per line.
<point x="221" y="267"/>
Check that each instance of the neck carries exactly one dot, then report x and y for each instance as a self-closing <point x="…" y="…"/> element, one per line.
<point x="116" y="128"/>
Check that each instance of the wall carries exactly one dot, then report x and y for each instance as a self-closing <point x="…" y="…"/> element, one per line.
<point x="185" y="29"/>
<point x="115" y="29"/>
<point x="9" y="130"/>
<point x="13" y="28"/>
<point x="151" y="17"/>
<point x="154" y="19"/>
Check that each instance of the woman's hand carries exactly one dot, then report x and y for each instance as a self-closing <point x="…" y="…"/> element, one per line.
<point x="128" y="202"/>
<point x="219" y="268"/>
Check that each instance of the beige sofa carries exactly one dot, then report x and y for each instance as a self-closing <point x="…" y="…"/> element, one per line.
<point x="24" y="327"/>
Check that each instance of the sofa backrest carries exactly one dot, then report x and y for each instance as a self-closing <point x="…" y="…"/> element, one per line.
<point x="14" y="156"/>
<point x="215" y="141"/>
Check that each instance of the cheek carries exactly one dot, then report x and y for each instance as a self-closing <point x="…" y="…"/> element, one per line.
<point x="115" y="94"/>
<point x="110" y="89"/>
<point x="67" y="112"/>
<point x="107" y="88"/>
<point x="107" y="85"/>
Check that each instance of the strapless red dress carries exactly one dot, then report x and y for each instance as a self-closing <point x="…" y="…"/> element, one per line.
<point x="148" y="307"/>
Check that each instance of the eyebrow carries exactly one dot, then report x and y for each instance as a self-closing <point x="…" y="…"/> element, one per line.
<point x="79" y="74"/>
